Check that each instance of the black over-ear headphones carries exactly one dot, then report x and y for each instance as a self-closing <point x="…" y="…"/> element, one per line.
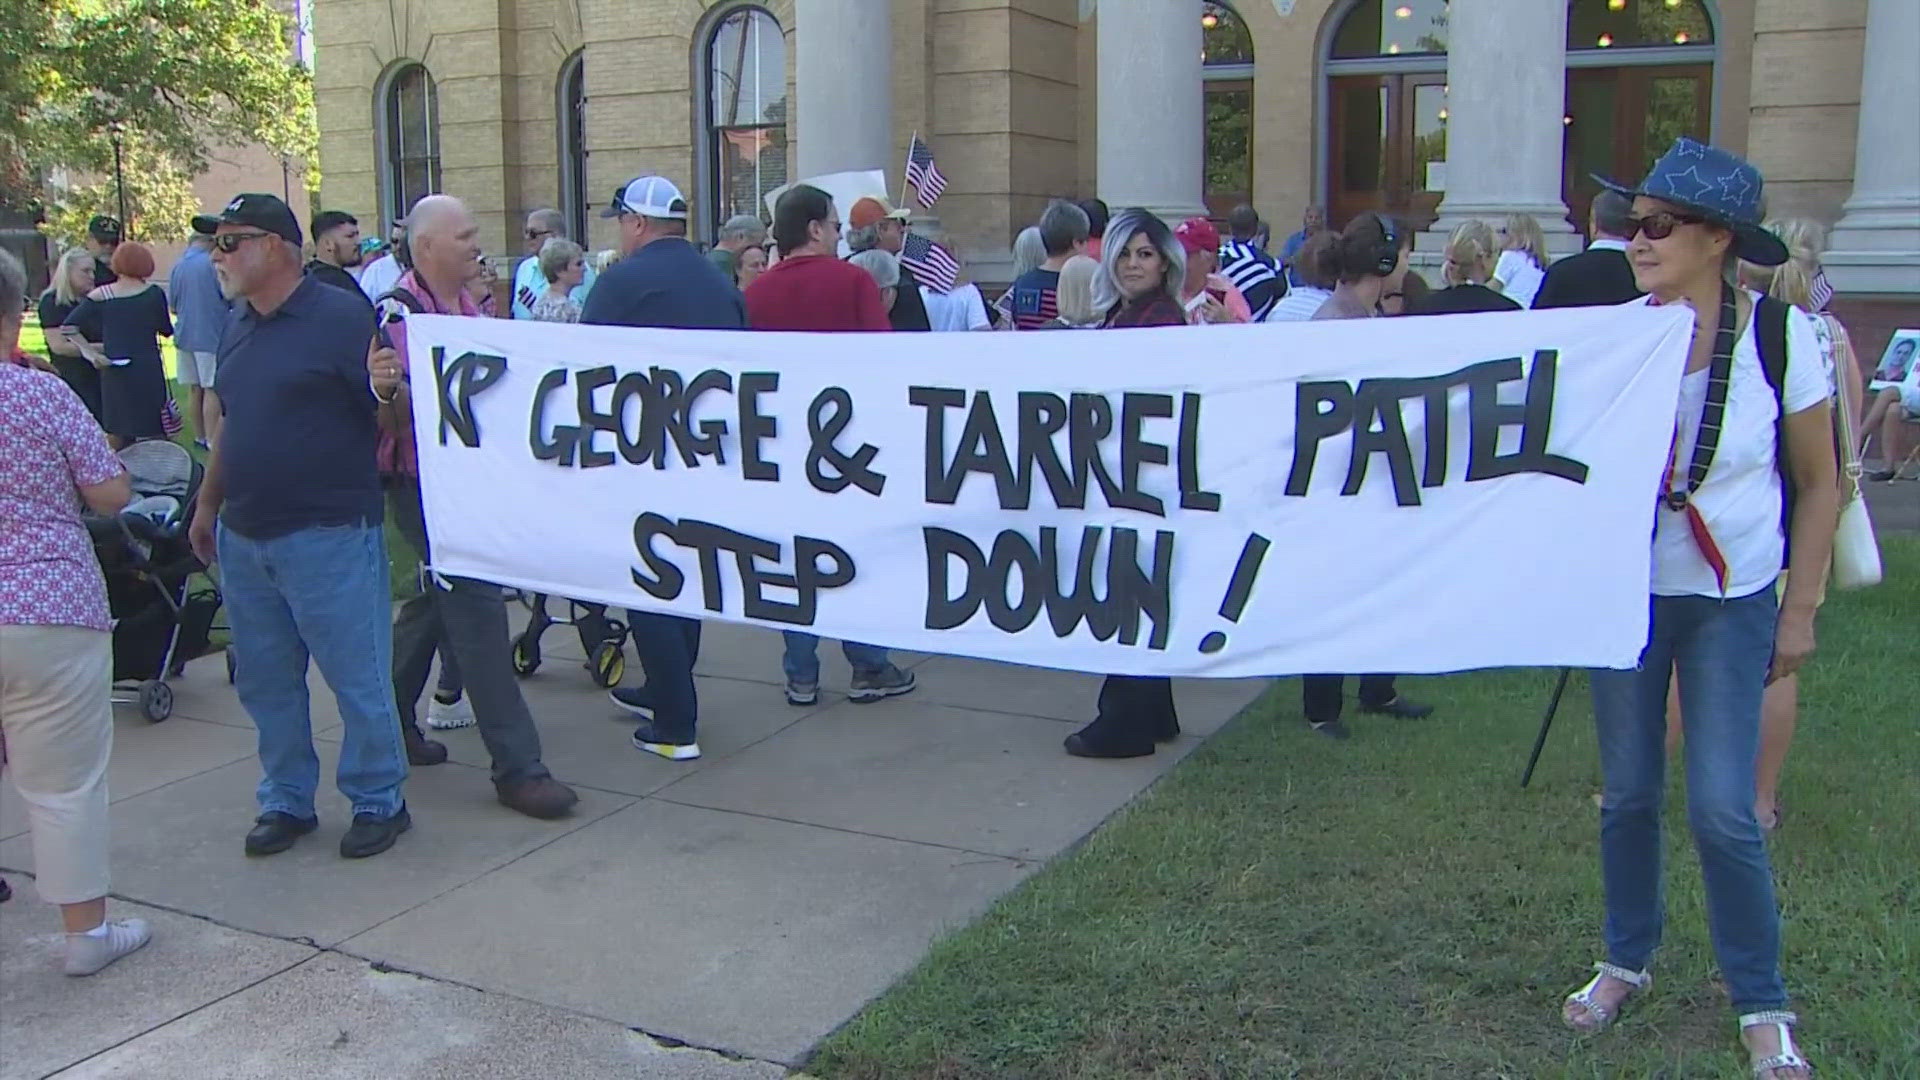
<point x="1389" y="255"/>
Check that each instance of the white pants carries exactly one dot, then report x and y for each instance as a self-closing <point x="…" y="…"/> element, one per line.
<point x="56" y="712"/>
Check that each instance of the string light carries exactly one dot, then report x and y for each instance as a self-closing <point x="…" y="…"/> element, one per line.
<point x="1616" y="5"/>
<point x="1403" y="12"/>
<point x="1209" y="20"/>
<point x="1606" y="41"/>
<point x="1681" y="38"/>
<point x="1394" y="49"/>
<point x="1443" y="114"/>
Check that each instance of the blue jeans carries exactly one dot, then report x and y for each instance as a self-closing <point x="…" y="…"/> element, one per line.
<point x="317" y="593"/>
<point x="1720" y="650"/>
<point x="801" y="661"/>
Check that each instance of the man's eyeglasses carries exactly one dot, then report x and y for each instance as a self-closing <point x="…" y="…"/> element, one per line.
<point x="539" y="234"/>
<point x="230" y="242"/>
<point x="1660" y="225"/>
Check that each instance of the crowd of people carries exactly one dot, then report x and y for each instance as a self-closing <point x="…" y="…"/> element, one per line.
<point x="299" y="375"/>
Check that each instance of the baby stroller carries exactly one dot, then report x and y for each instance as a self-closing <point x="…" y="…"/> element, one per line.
<point x="159" y="621"/>
<point x="604" y="639"/>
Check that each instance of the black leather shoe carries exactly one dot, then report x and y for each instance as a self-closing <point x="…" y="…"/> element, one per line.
<point x="275" y="831"/>
<point x="420" y="749"/>
<point x="372" y="834"/>
<point x="1107" y="740"/>
<point x="1400" y="707"/>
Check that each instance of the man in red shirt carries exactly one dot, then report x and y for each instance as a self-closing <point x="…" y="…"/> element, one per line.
<point x="811" y="289"/>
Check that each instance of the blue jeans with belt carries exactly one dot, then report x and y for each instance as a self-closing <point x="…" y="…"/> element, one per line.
<point x="316" y="594"/>
<point x="1720" y="650"/>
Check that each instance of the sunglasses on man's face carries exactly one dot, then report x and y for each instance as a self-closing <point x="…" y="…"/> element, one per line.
<point x="230" y="242"/>
<point x="539" y="234"/>
<point x="1660" y="224"/>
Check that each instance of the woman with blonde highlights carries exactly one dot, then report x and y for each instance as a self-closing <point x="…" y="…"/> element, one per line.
<point x="1467" y="268"/>
<point x="1523" y="263"/>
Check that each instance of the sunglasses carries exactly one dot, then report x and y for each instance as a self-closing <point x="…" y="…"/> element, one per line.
<point x="1660" y="225"/>
<point x="536" y="234"/>
<point x="230" y="242"/>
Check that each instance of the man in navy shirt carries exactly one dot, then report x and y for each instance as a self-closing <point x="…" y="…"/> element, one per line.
<point x="303" y="561"/>
<point x="662" y="281"/>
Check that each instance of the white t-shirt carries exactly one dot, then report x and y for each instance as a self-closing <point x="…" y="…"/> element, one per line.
<point x="1299" y="304"/>
<point x="962" y="309"/>
<point x="1740" y="500"/>
<point x="1521" y="277"/>
<point x="380" y="276"/>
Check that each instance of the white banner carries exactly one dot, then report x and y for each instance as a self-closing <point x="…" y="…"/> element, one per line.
<point x="1394" y="495"/>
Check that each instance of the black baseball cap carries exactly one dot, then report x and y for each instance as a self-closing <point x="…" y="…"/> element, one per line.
<point x="260" y="211"/>
<point x="104" y="229"/>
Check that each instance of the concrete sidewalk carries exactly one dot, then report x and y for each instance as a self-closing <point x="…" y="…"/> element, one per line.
<point x="738" y="908"/>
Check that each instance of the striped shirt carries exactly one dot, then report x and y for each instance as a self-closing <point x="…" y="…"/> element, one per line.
<point x="1253" y="272"/>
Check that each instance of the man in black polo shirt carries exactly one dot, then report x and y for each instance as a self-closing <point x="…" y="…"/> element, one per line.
<point x="303" y="561"/>
<point x="662" y="281"/>
<point x="103" y="235"/>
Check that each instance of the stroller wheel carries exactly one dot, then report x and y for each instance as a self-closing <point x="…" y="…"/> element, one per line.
<point x="526" y="656"/>
<point x="156" y="700"/>
<point x="608" y="664"/>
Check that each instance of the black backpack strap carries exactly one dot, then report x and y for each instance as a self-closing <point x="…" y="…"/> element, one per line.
<point x="1770" y="333"/>
<point x="406" y="299"/>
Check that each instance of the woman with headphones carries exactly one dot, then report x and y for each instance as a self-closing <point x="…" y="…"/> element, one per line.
<point x="1367" y="261"/>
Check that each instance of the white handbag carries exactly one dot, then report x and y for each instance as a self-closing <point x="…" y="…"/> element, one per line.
<point x="1856" y="552"/>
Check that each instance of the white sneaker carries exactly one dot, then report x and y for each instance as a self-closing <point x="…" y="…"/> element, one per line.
<point x="87" y="954"/>
<point x="444" y="717"/>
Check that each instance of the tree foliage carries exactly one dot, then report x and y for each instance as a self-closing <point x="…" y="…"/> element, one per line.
<point x="176" y="79"/>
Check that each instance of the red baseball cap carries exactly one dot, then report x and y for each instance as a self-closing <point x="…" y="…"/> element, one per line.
<point x="1197" y="234"/>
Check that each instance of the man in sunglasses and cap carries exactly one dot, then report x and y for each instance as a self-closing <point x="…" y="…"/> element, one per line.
<point x="103" y="235"/>
<point x="296" y="496"/>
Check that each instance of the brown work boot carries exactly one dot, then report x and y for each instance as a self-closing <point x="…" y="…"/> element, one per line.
<point x="541" y="797"/>
<point x="420" y="749"/>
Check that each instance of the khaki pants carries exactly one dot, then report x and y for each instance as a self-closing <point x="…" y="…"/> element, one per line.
<point x="56" y="711"/>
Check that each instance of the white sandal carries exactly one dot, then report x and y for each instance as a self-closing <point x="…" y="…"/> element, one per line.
<point x="1602" y="1015"/>
<point x="1788" y="1056"/>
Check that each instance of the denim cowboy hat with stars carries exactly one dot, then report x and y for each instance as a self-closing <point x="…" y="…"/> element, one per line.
<point x="1717" y="185"/>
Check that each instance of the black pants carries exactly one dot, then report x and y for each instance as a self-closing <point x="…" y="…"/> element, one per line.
<point x="84" y="378"/>
<point x="1324" y="694"/>
<point x="1136" y="707"/>
<point x="468" y="619"/>
<point x="668" y="647"/>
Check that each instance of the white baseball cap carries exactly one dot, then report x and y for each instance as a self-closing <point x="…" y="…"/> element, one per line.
<point x="648" y="196"/>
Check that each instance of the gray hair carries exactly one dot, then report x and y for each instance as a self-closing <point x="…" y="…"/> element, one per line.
<point x="1062" y="225"/>
<point x="1120" y="232"/>
<point x="556" y="255"/>
<point x="1029" y="251"/>
<point x="553" y="221"/>
<point x="864" y="239"/>
<point x="1075" y="293"/>
<point x="745" y="228"/>
<point x="13" y="285"/>
<point x="881" y="265"/>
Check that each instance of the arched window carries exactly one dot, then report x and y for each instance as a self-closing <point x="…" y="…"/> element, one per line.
<point x="411" y="131"/>
<point x="745" y="117"/>
<point x="572" y="117"/>
<point x="1226" y="70"/>
<point x="1639" y="73"/>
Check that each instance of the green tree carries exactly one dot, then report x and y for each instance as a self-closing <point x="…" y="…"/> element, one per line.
<point x="177" y="78"/>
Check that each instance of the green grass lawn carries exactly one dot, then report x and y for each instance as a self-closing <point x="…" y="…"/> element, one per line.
<point x="402" y="563"/>
<point x="1281" y="905"/>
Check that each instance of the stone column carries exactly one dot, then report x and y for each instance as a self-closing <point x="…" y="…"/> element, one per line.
<point x="843" y="77"/>
<point x="1876" y="246"/>
<point x="1506" y="99"/>
<point x="1150" y="141"/>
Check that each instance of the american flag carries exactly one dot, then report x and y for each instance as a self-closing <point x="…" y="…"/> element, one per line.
<point x="934" y="265"/>
<point x="923" y="174"/>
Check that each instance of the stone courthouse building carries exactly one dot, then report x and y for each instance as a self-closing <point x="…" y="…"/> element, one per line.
<point x="1430" y="109"/>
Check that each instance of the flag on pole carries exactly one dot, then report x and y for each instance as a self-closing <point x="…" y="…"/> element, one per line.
<point x="933" y="264"/>
<point x="923" y="174"/>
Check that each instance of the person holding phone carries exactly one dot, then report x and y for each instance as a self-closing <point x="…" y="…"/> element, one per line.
<point x="1207" y="296"/>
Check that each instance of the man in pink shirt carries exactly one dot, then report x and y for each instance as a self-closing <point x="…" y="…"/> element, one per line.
<point x="811" y="289"/>
<point x="1209" y="297"/>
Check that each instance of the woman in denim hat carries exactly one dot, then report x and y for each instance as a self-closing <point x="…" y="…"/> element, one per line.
<point x="1739" y="497"/>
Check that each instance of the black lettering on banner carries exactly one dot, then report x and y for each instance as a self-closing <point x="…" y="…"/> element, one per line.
<point x="648" y="441"/>
<point x="456" y="384"/>
<point x="756" y="426"/>
<point x="1372" y="413"/>
<point x="1534" y="419"/>
<point x="592" y="420"/>
<point x="676" y="401"/>
<point x="987" y="577"/>
<point x="1043" y="415"/>
<point x="1135" y="450"/>
<point x="1089" y="420"/>
<point x="559" y="447"/>
<point x="1192" y="495"/>
<point x="827" y="417"/>
<point x="663" y="580"/>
